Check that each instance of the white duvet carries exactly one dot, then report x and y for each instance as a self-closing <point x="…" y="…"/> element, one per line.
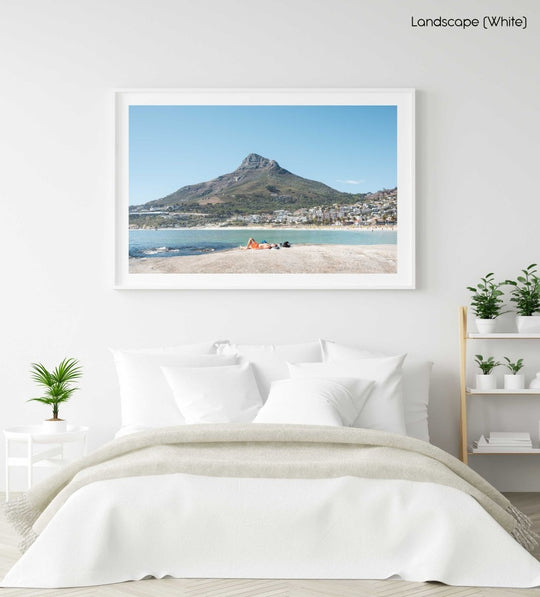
<point x="185" y="526"/>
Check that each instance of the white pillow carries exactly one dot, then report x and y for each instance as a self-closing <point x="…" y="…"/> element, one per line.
<point x="416" y="382"/>
<point x="269" y="361"/>
<point x="224" y="395"/>
<point x="316" y="401"/>
<point x="146" y="399"/>
<point x="384" y="407"/>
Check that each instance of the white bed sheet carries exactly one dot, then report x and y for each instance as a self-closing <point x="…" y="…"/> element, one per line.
<point x="196" y="526"/>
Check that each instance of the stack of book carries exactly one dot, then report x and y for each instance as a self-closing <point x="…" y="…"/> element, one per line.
<point x="504" y="441"/>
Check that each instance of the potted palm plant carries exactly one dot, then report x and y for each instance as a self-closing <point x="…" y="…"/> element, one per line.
<point x="526" y="296"/>
<point x="486" y="303"/>
<point x="514" y="380"/>
<point x="58" y="388"/>
<point x="486" y="380"/>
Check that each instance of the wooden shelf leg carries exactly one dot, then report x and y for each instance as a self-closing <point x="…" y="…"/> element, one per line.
<point x="463" y="384"/>
<point x="30" y="454"/>
<point x="7" y="470"/>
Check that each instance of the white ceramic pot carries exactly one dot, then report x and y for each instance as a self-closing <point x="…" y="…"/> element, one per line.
<point x="486" y="382"/>
<point x="535" y="382"/>
<point x="528" y="324"/>
<point x="486" y="326"/>
<point x="514" y="382"/>
<point x="54" y="426"/>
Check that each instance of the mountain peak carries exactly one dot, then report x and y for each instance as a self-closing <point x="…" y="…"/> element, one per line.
<point x="254" y="161"/>
<point x="257" y="178"/>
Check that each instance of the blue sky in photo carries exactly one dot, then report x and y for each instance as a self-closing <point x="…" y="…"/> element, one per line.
<point x="349" y="148"/>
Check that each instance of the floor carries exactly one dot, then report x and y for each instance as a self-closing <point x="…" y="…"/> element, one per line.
<point x="528" y="502"/>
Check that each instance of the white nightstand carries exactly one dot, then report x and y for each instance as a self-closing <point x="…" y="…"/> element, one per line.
<point x="33" y="435"/>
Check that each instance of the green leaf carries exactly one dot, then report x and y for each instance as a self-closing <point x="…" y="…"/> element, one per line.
<point x="43" y="400"/>
<point x="40" y="375"/>
<point x="68" y="370"/>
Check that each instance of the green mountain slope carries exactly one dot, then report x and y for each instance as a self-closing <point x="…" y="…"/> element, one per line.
<point x="258" y="185"/>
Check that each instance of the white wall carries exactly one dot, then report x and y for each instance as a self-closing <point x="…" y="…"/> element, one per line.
<point x="477" y="193"/>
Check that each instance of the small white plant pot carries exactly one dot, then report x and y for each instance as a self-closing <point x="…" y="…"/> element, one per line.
<point x="52" y="426"/>
<point x="486" y="326"/>
<point x="514" y="382"/>
<point x="528" y="324"/>
<point x="486" y="382"/>
<point x="535" y="382"/>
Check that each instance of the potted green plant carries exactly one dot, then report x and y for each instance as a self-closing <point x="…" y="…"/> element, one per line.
<point x="514" y="380"/>
<point x="486" y="303"/>
<point x="58" y="388"/>
<point x="525" y="295"/>
<point x="486" y="380"/>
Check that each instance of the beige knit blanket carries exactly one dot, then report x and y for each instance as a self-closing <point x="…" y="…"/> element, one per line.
<point x="256" y="450"/>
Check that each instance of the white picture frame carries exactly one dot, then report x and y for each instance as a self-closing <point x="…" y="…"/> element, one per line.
<point x="402" y="99"/>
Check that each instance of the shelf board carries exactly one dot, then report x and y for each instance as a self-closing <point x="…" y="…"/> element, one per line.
<point x="502" y="392"/>
<point x="474" y="451"/>
<point x="503" y="336"/>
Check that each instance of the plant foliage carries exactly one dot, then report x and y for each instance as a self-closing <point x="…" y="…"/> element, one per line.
<point x="58" y="384"/>
<point x="526" y="291"/>
<point x="486" y="301"/>
<point x="487" y="365"/>
<point x="513" y="367"/>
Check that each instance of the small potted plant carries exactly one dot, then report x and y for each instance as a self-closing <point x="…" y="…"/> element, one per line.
<point x="58" y="388"/>
<point x="526" y="296"/>
<point x="486" y="303"/>
<point x="486" y="380"/>
<point x="514" y="380"/>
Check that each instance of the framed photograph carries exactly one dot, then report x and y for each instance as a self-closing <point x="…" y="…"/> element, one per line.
<point x="265" y="188"/>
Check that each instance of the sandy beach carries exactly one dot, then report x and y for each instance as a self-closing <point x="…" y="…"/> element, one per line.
<point x="298" y="259"/>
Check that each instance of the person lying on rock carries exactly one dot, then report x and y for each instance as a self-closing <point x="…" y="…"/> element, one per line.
<point x="253" y="244"/>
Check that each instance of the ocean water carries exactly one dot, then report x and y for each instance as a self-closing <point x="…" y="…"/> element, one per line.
<point x="190" y="241"/>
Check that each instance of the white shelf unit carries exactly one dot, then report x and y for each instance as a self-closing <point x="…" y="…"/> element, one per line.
<point x="466" y="393"/>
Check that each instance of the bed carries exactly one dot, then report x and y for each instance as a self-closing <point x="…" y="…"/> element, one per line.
<point x="299" y="461"/>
